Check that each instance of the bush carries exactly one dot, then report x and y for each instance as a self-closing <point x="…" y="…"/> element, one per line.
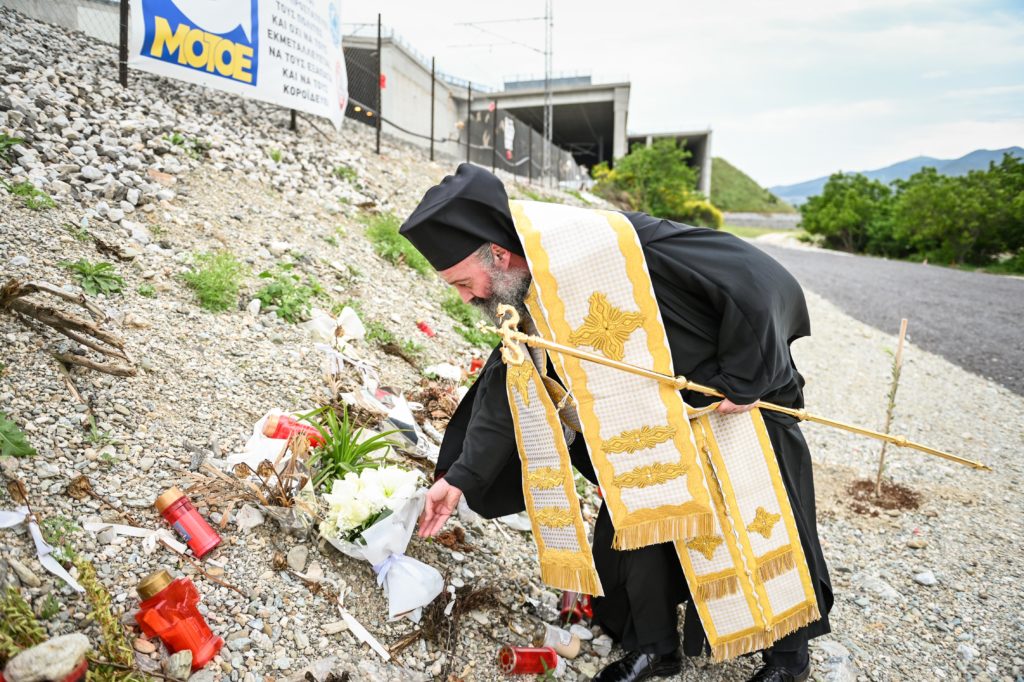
<point x="975" y="219"/>
<point x="12" y="441"/>
<point x="32" y="197"/>
<point x="345" y="448"/>
<point x="378" y="333"/>
<point x="6" y="142"/>
<point x="346" y="173"/>
<point x="845" y="210"/>
<point x="700" y="212"/>
<point x="382" y="231"/>
<point x="216" y="280"/>
<point x="291" y="296"/>
<point x="96" y="278"/>
<point x="657" y="180"/>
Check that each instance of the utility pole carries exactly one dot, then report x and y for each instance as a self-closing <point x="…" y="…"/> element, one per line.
<point x="122" y="47"/>
<point x="469" y="120"/>
<point x="380" y="93"/>
<point x="544" y="165"/>
<point x="529" y="156"/>
<point x="494" y="136"/>
<point x="433" y="86"/>
<point x="549" y="29"/>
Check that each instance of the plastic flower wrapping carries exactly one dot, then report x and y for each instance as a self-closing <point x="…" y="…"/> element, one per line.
<point x="371" y="516"/>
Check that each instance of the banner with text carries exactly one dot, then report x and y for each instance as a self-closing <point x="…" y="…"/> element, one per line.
<point x="287" y="52"/>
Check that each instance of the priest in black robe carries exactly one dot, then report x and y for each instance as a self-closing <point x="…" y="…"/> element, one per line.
<point x="730" y="312"/>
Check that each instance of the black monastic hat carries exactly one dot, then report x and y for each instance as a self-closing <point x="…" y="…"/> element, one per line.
<point x="458" y="216"/>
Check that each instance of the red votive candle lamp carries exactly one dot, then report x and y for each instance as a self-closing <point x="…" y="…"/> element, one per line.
<point x="575" y="607"/>
<point x="168" y="611"/>
<point x="183" y="517"/>
<point x="425" y="328"/>
<point x="284" y="427"/>
<point x="529" y="660"/>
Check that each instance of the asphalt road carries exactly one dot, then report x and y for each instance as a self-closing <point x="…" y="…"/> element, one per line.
<point x="972" y="319"/>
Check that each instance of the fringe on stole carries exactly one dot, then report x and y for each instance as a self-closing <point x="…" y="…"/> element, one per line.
<point x="670" y="529"/>
<point x="775" y="566"/>
<point x="718" y="588"/>
<point x="756" y="641"/>
<point x="571" y="578"/>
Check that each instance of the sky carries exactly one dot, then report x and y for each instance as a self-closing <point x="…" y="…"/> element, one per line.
<point x="791" y="90"/>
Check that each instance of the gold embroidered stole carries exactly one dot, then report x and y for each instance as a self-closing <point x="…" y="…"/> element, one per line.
<point x="661" y="479"/>
<point x="549" y="488"/>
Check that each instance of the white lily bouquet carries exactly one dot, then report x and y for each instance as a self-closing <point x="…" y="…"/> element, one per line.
<point x="371" y="516"/>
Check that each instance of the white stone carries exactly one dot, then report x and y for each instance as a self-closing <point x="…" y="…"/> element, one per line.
<point x="602" y="645"/>
<point x="91" y="173"/>
<point x="248" y="517"/>
<point x="926" y="578"/>
<point x="297" y="557"/>
<point x="54" y="659"/>
<point x="967" y="652"/>
<point x="335" y="627"/>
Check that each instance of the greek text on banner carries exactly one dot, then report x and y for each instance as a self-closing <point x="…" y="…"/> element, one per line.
<point x="287" y="52"/>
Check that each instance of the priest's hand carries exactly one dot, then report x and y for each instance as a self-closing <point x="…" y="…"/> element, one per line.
<point x="442" y="498"/>
<point x="729" y="407"/>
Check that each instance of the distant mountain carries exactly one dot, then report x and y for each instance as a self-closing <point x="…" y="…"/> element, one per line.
<point x="979" y="159"/>
<point x="734" y="190"/>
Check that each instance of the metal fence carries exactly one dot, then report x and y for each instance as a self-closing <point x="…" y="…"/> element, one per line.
<point x="397" y="89"/>
<point x="503" y="142"/>
<point x="392" y="87"/>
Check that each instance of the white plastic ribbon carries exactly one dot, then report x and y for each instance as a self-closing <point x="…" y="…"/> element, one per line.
<point x="334" y="362"/>
<point x="408" y="583"/>
<point x="149" y="537"/>
<point x="9" y="519"/>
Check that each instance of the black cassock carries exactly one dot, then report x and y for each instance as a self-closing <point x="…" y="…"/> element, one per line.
<point x="730" y="312"/>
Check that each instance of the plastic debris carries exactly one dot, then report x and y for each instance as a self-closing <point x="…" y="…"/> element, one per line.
<point x="444" y="370"/>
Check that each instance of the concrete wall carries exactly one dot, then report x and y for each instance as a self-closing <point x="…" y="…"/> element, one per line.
<point x="100" y="20"/>
<point x="621" y="108"/>
<point x="406" y="101"/>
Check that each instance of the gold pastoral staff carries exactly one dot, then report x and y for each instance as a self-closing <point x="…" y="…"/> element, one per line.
<point x="513" y="355"/>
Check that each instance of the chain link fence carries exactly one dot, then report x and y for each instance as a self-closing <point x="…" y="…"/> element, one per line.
<point x="99" y="19"/>
<point x="392" y="87"/>
<point x="499" y="140"/>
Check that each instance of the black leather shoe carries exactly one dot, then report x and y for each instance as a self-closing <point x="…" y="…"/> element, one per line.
<point x="636" y="666"/>
<point x="774" y="673"/>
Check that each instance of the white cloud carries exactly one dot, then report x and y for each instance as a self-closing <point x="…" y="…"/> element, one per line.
<point x="988" y="91"/>
<point x="791" y="89"/>
<point x="953" y="139"/>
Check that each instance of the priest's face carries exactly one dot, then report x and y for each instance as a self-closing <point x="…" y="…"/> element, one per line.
<point x="490" y="277"/>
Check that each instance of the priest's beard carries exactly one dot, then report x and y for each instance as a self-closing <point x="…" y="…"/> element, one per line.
<point x="508" y="287"/>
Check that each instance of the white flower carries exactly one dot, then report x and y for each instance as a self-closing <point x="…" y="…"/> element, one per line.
<point x="398" y="485"/>
<point x="371" y="488"/>
<point x="356" y="497"/>
<point x="348" y="506"/>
